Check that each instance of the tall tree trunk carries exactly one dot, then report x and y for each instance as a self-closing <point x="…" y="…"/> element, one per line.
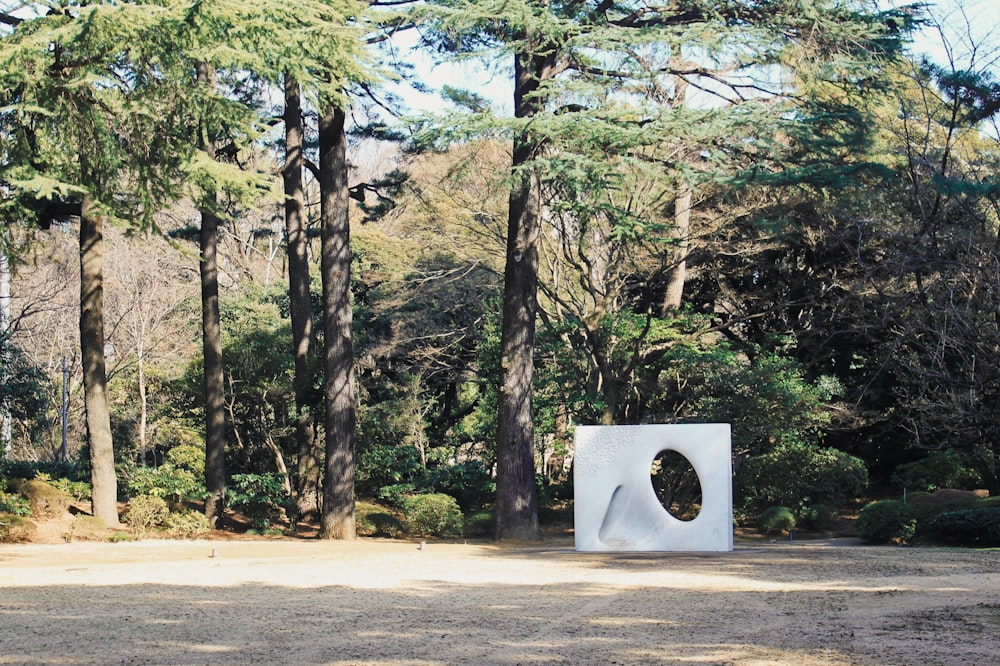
<point x="104" y="497"/>
<point x="337" y="521"/>
<point x="677" y="272"/>
<point x="211" y="331"/>
<point x="517" y="496"/>
<point x="6" y="420"/>
<point x="308" y="477"/>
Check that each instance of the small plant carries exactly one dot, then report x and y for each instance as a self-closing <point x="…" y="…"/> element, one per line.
<point x="176" y="485"/>
<point x="118" y="536"/>
<point x="86" y="528"/>
<point x="818" y="517"/>
<point x="16" y="529"/>
<point x="259" y="496"/>
<point x="14" y="504"/>
<point x="186" y="524"/>
<point x="145" y="513"/>
<point x="434" y="514"/>
<point x="480" y="523"/>
<point x="776" y="520"/>
<point x="886" y="521"/>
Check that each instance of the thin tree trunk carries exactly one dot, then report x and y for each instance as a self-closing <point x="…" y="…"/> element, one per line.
<point x="6" y="420"/>
<point x="104" y="498"/>
<point x="308" y="478"/>
<point x="517" y="495"/>
<point x="337" y="520"/>
<point x="215" y="418"/>
<point x="143" y="404"/>
<point x="677" y="272"/>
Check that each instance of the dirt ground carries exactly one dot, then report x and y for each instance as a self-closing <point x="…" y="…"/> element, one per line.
<point x="392" y="602"/>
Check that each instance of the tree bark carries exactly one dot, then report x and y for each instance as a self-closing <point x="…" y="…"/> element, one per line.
<point x="211" y="329"/>
<point x="677" y="272"/>
<point x="104" y="498"/>
<point x="308" y="477"/>
<point x="517" y="495"/>
<point x="337" y="520"/>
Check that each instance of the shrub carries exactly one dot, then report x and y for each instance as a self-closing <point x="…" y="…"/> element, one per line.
<point x="260" y="497"/>
<point x="145" y="513"/>
<point x="480" y="523"/>
<point x="14" y="504"/>
<point x="16" y="529"/>
<point x="886" y="521"/>
<point x="176" y="485"/>
<point x="434" y="514"/>
<point x="86" y="528"/>
<point x="78" y="491"/>
<point x="74" y="471"/>
<point x="44" y="500"/>
<point x="976" y="528"/>
<point x="396" y="494"/>
<point x="186" y="524"/>
<point x="798" y="476"/>
<point x="776" y="520"/>
<point x="385" y="465"/>
<point x="944" y="469"/>
<point x="469" y="483"/>
<point x="818" y="517"/>
<point x="189" y="457"/>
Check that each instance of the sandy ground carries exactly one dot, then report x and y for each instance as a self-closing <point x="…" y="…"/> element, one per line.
<point x="391" y="602"/>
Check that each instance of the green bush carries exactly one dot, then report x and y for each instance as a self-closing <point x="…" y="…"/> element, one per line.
<point x="818" y="517"/>
<point x="74" y="471"/>
<point x="384" y="465"/>
<point x="886" y="521"/>
<point x="189" y="457"/>
<point x="14" y="504"/>
<point x="480" y="523"/>
<point x="944" y="469"/>
<point x="186" y="524"/>
<point x="16" y="529"/>
<point x="394" y="495"/>
<point x="79" y="491"/>
<point x="373" y="520"/>
<point x="260" y="497"/>
<point x="469" y="483"/>
<point x="176" y="485"/>
<point x="974" y="528"/>
<point x="145" y="513"/>
<point x="799" y="476"/>
<point x="776" y="520"/>
<point x="434" y="514"/>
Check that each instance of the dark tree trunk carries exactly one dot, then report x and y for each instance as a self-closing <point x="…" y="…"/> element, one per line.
<point x="211" y="330"/>
<point x="307" y="486"/>
<point x="677" y="271"/>
<point x="337" y="521"/>
<point x="104" y="499"/>
<point x="517" y="496"/>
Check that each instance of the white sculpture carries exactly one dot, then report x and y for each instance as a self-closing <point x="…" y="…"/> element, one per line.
<point x="615" y="506"/>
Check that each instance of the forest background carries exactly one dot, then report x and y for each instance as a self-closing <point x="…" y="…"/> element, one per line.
<point x="775" y="215"/>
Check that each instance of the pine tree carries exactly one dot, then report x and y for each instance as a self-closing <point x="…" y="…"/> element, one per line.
<point x="592" y="87"/>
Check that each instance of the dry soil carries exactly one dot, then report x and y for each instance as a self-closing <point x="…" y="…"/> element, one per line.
<point x="393" y="602"/>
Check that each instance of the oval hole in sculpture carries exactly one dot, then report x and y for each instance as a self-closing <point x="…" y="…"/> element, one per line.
<point x="676" y="485"/>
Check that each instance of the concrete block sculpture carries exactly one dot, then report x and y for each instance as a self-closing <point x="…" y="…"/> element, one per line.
<point x="615" y="506"/>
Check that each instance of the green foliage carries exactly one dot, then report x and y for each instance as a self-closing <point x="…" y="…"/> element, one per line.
<point x="16" y="529"/>
<point x="145" y="513"/>
<point x="434" y="514"/>
<point x="374" y="520"/>
<point x="14" y="504"/>
<point x="188" y="456"/>
<point x="886" y="521"/>
<point x="260" y="497"/>
<point x="480" y="523"/>
<point x="79" y="491"/>
<point x="799" y="476"/>
<point x="776" y="520"/>
<point x="379" y="466"/>
<point x="469" y="483"/>
<point x="176" y="485"/>
<point x="975" y="528"/>
<point x="395" y="494"/>
<point x="186" y="524"/>
<point x="818" y="517"/>
<point x="74" y="471"/>
<point x="943" y="469"/>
